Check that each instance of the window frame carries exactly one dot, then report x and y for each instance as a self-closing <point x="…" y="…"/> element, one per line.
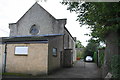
<point x="54" y="53"/>
<point x="33" y="30"/>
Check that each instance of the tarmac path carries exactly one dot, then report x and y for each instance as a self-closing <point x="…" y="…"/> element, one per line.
<point x="80" y="70"/>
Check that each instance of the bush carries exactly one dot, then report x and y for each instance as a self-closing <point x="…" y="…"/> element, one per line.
<point x="101" y="59"/>
<point x="115" y="66"/>
<point x="78" y="55"/>
<point x="95" y="57"/>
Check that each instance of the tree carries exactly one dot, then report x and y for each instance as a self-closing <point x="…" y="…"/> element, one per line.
<point x="78" y="44"/>
<point x="102" y="17"/>
<point x="91" y="47"/>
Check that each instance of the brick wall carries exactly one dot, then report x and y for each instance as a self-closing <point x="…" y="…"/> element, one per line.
<point x="36" y="62"/>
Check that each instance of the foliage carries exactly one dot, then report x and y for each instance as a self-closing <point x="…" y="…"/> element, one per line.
<point x="101" y="17"/>
<point x="78" y="44"/>
<point x="91" y="48"/>
<point x="80" y="53"/>
<point x="101" y="59"/>
<point x="95" y="57"/>
<point x="115" y="66"/>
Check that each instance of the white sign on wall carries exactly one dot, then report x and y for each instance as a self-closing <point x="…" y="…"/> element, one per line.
<point x="21" y="50"/>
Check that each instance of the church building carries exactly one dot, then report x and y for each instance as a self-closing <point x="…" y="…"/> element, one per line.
<point x="38" y="44"/>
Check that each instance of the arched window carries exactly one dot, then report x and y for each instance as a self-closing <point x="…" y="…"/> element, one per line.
<point x="34" y="30"/>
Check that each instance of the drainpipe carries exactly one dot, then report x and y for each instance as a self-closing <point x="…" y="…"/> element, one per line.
<point x="5" y="57"/>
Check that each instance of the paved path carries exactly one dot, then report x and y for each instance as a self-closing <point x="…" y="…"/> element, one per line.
<point x="80" y="70"/>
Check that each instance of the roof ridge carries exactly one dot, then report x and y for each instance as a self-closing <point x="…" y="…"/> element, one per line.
<point x="46" y="10"/>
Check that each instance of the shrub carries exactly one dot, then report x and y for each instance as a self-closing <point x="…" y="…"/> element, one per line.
<point x="115" y="66"/>
<point x="95" y="57"/>
<point x="101" y="59"/>
<point x="78" y="55"/>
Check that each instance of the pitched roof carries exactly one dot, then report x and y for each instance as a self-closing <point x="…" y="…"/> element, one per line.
<point x="33" y="6"/>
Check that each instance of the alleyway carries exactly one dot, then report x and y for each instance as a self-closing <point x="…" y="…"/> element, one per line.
<point x="80" y="70"/>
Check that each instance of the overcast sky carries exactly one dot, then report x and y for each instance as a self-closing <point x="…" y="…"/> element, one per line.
<point x="12" y="10"/>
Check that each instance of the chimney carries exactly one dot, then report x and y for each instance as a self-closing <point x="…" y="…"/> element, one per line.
<point x="75" y="38"/>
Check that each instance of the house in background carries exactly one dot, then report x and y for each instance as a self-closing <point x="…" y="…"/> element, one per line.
<point x="38" y="44"/>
